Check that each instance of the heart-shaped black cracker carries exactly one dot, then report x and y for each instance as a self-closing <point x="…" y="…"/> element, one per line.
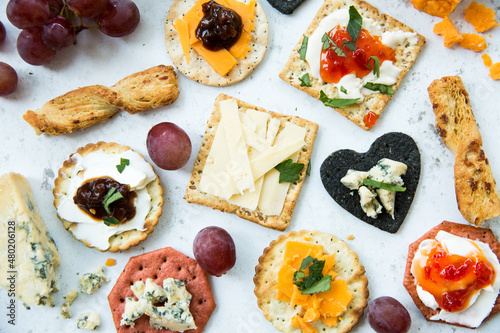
<point x="285" y="6"/>
<point x="395" y="146"/>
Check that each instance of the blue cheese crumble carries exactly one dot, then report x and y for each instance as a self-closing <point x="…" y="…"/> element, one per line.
<point x="88" y="321"/>
<point x="173" y="315"/>
<point x="90" y="282"/>
<point x="386" y="171"/>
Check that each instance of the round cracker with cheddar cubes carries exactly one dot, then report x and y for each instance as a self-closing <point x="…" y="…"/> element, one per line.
<point x="283" y="301"/>
<point x="228" y="66"/>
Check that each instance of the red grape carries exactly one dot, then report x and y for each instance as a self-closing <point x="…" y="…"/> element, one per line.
<point x="120" y="18"/>
<point x="31" y="48"/>
<point x="28" y="13"/>
<point x="58" y="33"/>
<point x="214" y="250"/>
<point x="8" y="79"/>
<point x="387" y="315"/>
<point x="168" y="146"/>
<point x="3" y="33"/>
<point x="55" y="7"/>
<point x="87" y="8"/>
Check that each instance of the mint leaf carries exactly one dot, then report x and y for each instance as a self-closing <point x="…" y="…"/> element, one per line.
<point x="344" y="90"/>
<point x="376" y="65"/>
<point x="379" y="87"/>
<point x="384" y="186"/>
<point x="289" y="171"/>
<point x="336" y="102"/>
<point x="111" y="197"/>
<point x="305" y="80"/>
<point x="303" y="48"/>
<point x="355" y="23"/>
<point x="110" y="220"/>
<point x="315" y="282"/>
<point x="350" y="45"/>
<point x="319" y="286"/>
<point x="123" y="163"/>
<point x="329" y="43"/>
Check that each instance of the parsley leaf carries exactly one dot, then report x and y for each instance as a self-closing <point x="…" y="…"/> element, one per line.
<point x="110" y="220"/>
<point x="123" y="163"/>
<point x="384" y="186"/>
<point x="315" y="282"/>
<point x="355" y="23"/>
<point x="344" y="90"/>
<point x="305" y="80"/>
<point x="289" y="171"/>
<point x="329" y="43"/>
<point x="350" y="45"/>
<point x="303" y="48"/>
<point x="380" y="87"/>
<point x="111" y="197"/>
<point x="376" y="65"/>
<point x="336" y="102"/>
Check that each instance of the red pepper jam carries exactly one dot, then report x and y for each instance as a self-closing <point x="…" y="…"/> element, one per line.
<point x="370" y="119"/>
<point x="453" y="279"/>
<point x="334" y="67"/>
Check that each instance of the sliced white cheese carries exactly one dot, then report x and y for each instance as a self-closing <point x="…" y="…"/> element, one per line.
<point x="254" y="141"/>
<point x="240" y="165"/>
<point x="272" y="130"/>
<point x="261" y="120"/>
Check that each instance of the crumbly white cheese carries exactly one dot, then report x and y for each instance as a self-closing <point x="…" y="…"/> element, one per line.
<point x="173" y="315"/>
<point x="353" y="85"/>
<point x="90" y="282"/>
<point x="65" y="308"/>
<point x="23" y="232"/>
<point x="226" y="169"/>
<point x="483" y="301"/>
<point x="98" y="164"/>
<point x="88" y="321"/>
<point x="386" y="171"/>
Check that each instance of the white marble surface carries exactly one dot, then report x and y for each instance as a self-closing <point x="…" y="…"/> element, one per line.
<point x="98" y="59"/>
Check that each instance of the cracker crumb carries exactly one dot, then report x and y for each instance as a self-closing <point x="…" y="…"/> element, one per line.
<point x="110" y="262"/>
<point x="350" y="237"/>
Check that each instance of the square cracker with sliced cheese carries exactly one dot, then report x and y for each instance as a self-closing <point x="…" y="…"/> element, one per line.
<point x="405" y="55"/>
<point x="234" y="171"/>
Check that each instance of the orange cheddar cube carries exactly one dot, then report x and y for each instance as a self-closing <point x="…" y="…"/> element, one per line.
<point x="473" y="42"/>
<point x="336" y="300"/>
<point x="221" y="61"/>
<point x="450" y="34"/>
<point x="481" y="17"/>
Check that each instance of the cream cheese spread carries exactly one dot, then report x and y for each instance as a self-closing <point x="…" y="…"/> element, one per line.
<point x="98" y="164"/>
<point x="482" y="302"/>
<point x="353" y="85"/>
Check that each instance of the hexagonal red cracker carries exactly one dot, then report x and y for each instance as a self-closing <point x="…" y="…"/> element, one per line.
<point x="466" y="231"/>
<point x="159" y="265"/>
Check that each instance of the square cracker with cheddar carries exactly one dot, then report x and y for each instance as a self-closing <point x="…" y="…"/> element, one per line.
<point x="220" y="174"/>
<point x="406" y="53"/>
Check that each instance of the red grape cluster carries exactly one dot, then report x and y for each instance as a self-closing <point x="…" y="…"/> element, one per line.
<point x="49" y="25"/>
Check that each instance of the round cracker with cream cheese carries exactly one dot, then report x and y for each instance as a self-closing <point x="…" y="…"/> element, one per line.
<point x="122" y="240"/>
<point x="347" y="266"/>
<point x="198" y="69"/>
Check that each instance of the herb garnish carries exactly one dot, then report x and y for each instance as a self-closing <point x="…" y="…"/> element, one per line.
<point x="303" y="48"/>
<point x="376" y="65"/>
<point x="305" y="80"/>
<point x="123" y="163"/>
<point x="336" y="102"/>
<point x="380" y="87"/>
<point x="350" y="45"/>
<point x="111" y="197"/>
<point x="289" y="171"/>
<point x="384" y="186"/>
<point x="355" y="23"/>
<point x="329" y="43"/>
<point x="308" y="170"/>
<point x="110" y="220"/>
<point x="344" y="90"/>
<point x="315" y="282"/>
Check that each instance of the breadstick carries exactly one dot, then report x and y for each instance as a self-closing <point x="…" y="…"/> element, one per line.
<point x="83" y="107"/>
<point x="475" y="187"/>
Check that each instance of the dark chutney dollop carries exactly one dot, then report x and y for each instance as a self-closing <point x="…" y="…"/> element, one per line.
<point x="219" y="28"/>
<point x="91" y="194"/>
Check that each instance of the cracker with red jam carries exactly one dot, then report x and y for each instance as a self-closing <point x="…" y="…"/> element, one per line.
<point x="462" y="230"/>
<point x="365" y="111"/>
<point x="160" y="265"/>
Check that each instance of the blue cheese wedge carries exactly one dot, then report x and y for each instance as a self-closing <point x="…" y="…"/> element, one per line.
<point x="88" y="321"/>
<point x="90" y="282"/>
<point x="386" y="171"/>
<point x="174" y="314"/>
<point x="23" y="232"/>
